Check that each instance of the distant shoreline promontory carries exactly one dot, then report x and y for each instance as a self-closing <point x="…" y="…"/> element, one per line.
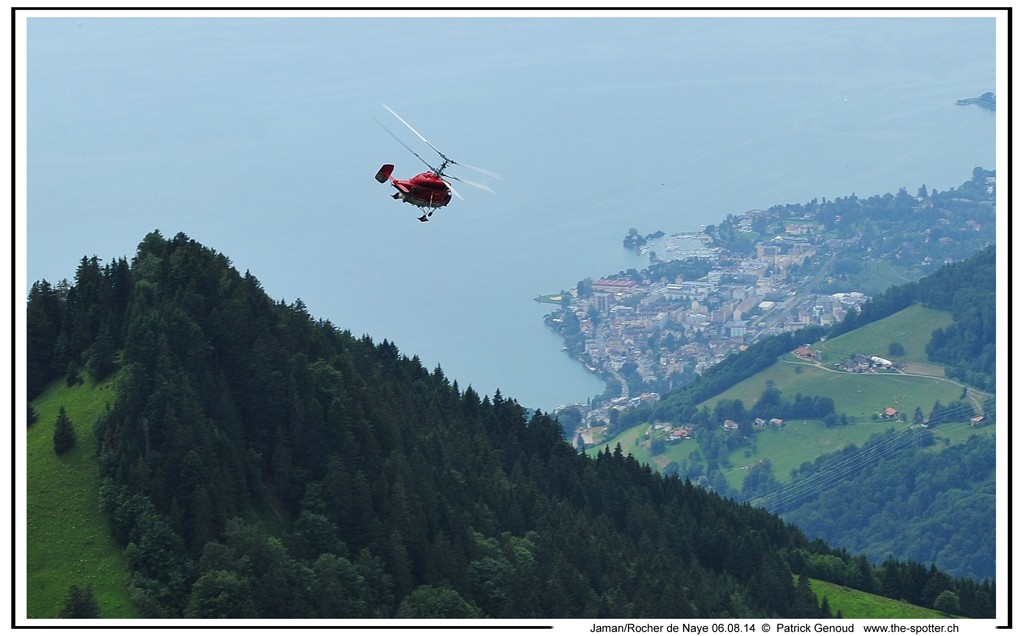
<point x="986" y="100"/>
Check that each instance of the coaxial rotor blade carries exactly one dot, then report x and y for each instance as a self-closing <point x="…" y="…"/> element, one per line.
<point x="409" y="126"/>
<point x="471" y="183"/>
<point x="404" y="145"/>
<point x="448" y="183"/>
<point x="486" y="173"/>
<point x="445" y="159"/>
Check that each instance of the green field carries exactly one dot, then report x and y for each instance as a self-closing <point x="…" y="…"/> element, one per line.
<point x="912" y="328"/>
<point x="857" y="604"/>
<point x="861" y="396"/>
<point x="69" y="542"/>
<point x="635" y="441"/>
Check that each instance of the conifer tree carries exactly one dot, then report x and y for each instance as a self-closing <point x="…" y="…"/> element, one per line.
<point x="826" y="610"/>
<point x="63" y="434"/>
<point x="80" y="603"/>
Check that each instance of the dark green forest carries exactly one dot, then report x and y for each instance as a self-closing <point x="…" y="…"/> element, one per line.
<point x="932" y="506"/>
<point x="258" y="462"/>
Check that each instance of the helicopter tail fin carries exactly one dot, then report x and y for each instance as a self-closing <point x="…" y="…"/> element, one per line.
<point x="384" y="173"/>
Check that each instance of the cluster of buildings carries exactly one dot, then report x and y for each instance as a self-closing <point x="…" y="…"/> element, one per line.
<point x="860" y="363"/>
<point x="653" y="332"/>
<point x="664" y="330"/>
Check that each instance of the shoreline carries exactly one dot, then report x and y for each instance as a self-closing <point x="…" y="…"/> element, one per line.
<point x="551" y="299"/>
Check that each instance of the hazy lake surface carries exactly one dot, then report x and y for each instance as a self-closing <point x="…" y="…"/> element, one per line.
<point x="256" y="138"/>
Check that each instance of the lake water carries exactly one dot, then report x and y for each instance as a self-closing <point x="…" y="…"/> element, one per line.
<point x="255" y="137"/>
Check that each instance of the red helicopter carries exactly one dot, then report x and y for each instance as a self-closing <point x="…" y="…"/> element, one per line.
<point x="427" y="190"/>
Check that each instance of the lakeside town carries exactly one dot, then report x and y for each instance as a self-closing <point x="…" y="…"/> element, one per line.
<point x="654" y="333"/>
<point x="758" y="273"/>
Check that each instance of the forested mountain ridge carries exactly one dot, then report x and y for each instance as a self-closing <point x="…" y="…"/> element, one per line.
<point x="934" y="506"/>
<point x="260" y="463"/>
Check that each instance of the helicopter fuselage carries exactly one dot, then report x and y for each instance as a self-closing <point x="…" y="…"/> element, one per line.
<point x="425" y="190"/>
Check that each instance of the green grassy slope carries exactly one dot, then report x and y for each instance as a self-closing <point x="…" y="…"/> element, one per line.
<point x="635" y="441"/>
<point x="860" y="396"/>
<point x="911" y="328"/>
<point x="69" y="542"/>
<point x="857" y="604"/>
